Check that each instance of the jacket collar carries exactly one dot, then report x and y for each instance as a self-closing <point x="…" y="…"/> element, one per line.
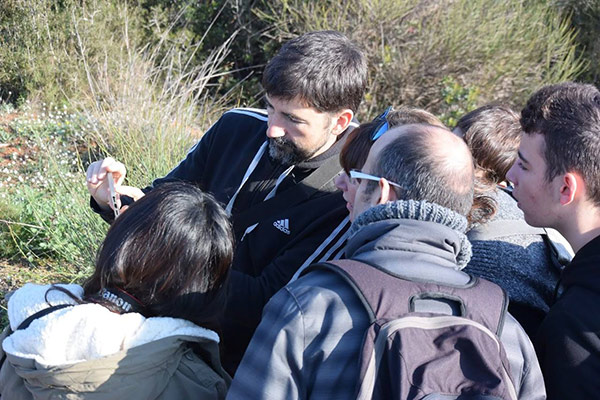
<point x="101" y="331"/>
<point x="583" y="269"/>
<point x="415" y="229"/>
<point x="333" y="151"/>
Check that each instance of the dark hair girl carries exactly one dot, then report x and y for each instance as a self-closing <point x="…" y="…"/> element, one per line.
<point x="139" y="327"/>
<point x="518" y="259"/>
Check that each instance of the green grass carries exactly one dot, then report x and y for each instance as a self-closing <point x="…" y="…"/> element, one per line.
<point x="47" y="231"/>
<point x="42" y="194"/>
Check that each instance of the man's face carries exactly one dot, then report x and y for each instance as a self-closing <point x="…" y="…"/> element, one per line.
<point x="297" y="132"/>
<point x="537" y="197"/>
<point x="348" y="188"/>
<point x="363" y="200"/>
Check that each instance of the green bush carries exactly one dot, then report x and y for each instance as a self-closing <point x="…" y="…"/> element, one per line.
<point x="501" y="50"/>
<point x="42" y="42"/>
<point x="584" y="16"/>
<point x="145" y="105"/>
<point x="55" y="51"/>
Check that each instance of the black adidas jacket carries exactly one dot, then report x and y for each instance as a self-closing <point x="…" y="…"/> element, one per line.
<point x="288" y="238"/>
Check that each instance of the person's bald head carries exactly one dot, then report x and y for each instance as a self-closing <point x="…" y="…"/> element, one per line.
<point x="428" y="161"/>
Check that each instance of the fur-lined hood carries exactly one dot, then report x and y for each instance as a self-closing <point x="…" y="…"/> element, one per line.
<point x="89" y="352"/>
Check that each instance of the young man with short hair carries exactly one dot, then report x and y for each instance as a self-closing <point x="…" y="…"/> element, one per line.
<point x="557" y="184"/>
<point x="274" y="170"/>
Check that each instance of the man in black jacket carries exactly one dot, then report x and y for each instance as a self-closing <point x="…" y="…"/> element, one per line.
<point x="557" y="184"/>
<point x="278" y="188"/>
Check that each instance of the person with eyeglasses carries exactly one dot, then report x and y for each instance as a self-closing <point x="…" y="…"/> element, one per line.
<point x="274" y="171"/>
<point x="359" y="142"/>
<point x="415" y="190"/>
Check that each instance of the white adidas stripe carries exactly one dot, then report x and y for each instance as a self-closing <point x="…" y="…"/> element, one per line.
<point x="311" y="259"/>
<point x="252" y="112"/>
<point x="339" y="254"/>
<point x="339" y="244"/>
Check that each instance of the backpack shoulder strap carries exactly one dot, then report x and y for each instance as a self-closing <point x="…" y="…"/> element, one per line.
<point x="386" y="296"/>
<point x="497" y="229"/>
<point x="337" y="267"/>
<point x="561" y="251"/>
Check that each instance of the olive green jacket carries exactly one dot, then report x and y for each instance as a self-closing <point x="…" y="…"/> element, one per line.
<point x="175" y="367"/>
<point x="88" y="352"/>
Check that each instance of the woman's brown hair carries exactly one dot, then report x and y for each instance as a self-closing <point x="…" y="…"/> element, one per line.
<point x="356" y="149"/>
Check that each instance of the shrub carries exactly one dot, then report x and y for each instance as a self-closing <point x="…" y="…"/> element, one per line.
<point x="42" y="41"/>
<point x="584" y="16"/>
<point x="500" y="50"/>
<point x="145" y="105"/>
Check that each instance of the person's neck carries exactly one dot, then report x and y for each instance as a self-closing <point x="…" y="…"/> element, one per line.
<point x="330" y="142"/>
<point x="580" y="239"/>
<point x="582" y="227"/>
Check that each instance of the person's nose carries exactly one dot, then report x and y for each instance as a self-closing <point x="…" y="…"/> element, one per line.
<point x="511" y="175"/>
<point x="341" y="181"/>
<point x="275" y="127"/>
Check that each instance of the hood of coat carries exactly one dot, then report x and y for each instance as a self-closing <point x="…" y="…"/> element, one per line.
<point x="80" y="348"/>
<point x="415" y="239"/>
<point x="141" y="372"/>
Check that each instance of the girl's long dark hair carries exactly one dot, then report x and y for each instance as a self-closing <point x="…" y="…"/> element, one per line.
<point x="172" y="251"/>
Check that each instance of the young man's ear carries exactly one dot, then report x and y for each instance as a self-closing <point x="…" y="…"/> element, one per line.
<point x="386" y="192"/>
<point x="571" y="187"/>
<point x="344" y="118"/>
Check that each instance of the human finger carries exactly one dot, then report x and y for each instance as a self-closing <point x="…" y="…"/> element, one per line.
<point x="131" y="191"/>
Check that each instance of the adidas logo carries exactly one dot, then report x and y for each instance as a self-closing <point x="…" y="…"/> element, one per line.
<point x="283" y="225"/>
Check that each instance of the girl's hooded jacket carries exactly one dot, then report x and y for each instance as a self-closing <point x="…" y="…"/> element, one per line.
<point x="88" y="352"/>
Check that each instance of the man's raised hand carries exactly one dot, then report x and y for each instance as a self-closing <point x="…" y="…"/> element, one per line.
<point x="97" y="179"/>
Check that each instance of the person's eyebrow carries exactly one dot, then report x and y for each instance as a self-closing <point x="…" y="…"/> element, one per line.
<point x="288" y="115"/>
<point x="521" y="157"/>
<point x="294" y="117"/>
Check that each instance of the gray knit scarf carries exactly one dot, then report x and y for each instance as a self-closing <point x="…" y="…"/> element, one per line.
<point x="420" y="211"/>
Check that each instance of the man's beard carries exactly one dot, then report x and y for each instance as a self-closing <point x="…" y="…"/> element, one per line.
<point x="285" y="152"/>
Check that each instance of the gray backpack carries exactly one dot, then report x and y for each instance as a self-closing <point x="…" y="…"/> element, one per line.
<point x="411" y="353"/>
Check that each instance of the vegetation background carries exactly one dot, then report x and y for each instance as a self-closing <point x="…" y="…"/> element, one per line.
<point x="141" y="80"/>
